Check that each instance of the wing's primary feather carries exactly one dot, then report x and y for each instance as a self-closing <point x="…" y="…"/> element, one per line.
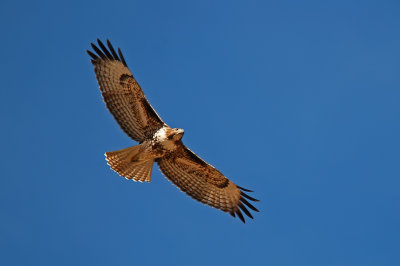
<point x="122" y="94"/>
<point x="115" y="56"/>
<point x="204" y="183"/>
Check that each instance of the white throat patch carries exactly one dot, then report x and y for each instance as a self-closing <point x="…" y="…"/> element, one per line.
<point x="161" y="137"/>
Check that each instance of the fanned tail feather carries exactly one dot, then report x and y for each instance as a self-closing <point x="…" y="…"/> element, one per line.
<point x="126" y="163"/>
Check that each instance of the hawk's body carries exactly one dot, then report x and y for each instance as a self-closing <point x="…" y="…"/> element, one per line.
<point x="158" y="142"/>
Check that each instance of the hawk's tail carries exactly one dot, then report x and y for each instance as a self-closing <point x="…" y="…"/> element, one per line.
<point x="126" y="163"/>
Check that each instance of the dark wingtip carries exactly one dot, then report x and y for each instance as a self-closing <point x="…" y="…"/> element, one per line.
<point x="106" y="54"/>
<point x="98" y="51"/>
<point x="105" y="50"/>
<point x="240" y="215"/>
<point x="249" y="204"/>
<point x="246" y="211"/>
<point x="122" y="57"/>
<point x="247" y="196"/>
<point x="115" y="56"/>
<point x="243" y="204"/>
<point x="245" y="189"/>
<point x="92" y="55"/>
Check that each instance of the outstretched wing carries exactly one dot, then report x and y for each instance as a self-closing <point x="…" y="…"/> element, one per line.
<point x="204" y="183"/>
<point x="122" y="94"/>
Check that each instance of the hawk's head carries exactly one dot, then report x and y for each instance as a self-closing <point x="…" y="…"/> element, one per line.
<point x="177" y="134"/>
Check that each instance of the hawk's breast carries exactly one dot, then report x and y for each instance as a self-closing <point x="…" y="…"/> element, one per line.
<point x="162" y="137"/>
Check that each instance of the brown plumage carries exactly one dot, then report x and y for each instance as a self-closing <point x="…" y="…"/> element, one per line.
<point x="158" y="142"/>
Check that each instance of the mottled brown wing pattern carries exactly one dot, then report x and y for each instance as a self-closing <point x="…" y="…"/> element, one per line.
<point x="204" y="183"/>
<point x="122" y="94"/>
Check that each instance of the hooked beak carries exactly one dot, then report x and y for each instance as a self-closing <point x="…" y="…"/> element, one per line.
<point x="179" y="131"/>
<point x="178" y="134"/>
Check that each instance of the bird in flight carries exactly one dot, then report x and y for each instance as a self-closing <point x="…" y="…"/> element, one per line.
<point x="157" y="141"/>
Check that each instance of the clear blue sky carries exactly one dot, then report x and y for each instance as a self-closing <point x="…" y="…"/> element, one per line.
<point x="297" y="100"/>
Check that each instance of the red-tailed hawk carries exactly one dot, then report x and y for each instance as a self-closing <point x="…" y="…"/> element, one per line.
<point x="157" y="141"/>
